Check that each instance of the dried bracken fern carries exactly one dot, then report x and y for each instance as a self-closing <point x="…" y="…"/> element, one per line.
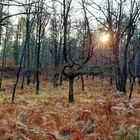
<point x="94" y="115"/>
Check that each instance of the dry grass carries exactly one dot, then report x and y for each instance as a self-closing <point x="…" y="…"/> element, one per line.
<point x="96" y="114"/>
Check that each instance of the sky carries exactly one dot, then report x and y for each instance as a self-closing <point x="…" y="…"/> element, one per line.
<point x="75" y="12"/>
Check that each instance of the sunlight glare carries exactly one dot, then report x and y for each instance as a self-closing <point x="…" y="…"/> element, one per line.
<point x="1" y="48"/>
<point x="105" y="38"/>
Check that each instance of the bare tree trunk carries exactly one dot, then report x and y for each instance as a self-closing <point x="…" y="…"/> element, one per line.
<point x="34" y="78"/>
<point x="83" y="85"/>
<point x="61" y="79"/>
<point x="22" y="82"/>
<point x="46" y="72"/>
<point x="111" y="75"/>
<point x="3" y="64"/>
<point x="39" y="26"/>
<point x="55" y="80"/>
<point x="59" y="59"/>
<point x="118" y="76"/>
<point x="131" y="87"/>
<point x="71" y="82"/>
<point x="1" y="9"/>
<point x="28" y="65"/>
<point x="18" y="74"/>
<point x="23" y="71"/>
<point x="55" y="47"/>
<point x="111" y="80"/>
<point x="139" y="80"/>
<point x="20" y="65"/>
<point x="38" y="66"/>
<point x="56" y="73"/>
<point x="124" y="71"/>
<point x="27" y="48"/>
<point x="3" y="58"/>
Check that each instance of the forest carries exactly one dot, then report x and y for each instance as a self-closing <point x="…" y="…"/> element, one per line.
<point x="69" y="70"/>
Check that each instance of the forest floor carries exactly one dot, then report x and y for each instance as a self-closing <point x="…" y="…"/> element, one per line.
<point x="96" y="113"/>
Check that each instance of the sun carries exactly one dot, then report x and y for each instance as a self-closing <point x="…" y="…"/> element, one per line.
<point x="105" y="38"/>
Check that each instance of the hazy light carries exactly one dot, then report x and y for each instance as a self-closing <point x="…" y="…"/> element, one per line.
<point x="105" y="38"/>
<point x="1" y="48"/>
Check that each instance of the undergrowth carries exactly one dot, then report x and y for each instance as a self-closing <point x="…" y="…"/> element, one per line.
<point x="96" y="114"/>
<point x="133" y="135"/>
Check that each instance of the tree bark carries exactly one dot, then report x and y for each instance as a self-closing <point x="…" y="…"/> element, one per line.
<point x="71" y="82"/>
<point x="139" y="80"/>
<point x="17" y="76"/>
<point x="82" y="81"/>
<point x="39" y="26"/>
<point x="55" y="80"/>
<point x="27" y="48"/>
<point x="1" y="9"/>
<point x="61" y="79"/>
<point x="3" y="58"/>
<point x="22" y="82"/>
<point x="131" y="87"/>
